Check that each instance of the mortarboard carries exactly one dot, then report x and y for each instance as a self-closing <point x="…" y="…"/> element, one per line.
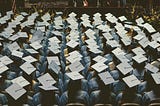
<point x="106" y="78"/>
<point x="131" y="81"/>
<point x="16" y="91"/>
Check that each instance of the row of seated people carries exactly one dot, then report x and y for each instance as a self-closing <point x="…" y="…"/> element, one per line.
<point x="116" y="94"/>
<point x="89" y="90"/>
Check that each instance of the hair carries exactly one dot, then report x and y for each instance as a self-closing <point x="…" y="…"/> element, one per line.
<point x="74" y="87"/>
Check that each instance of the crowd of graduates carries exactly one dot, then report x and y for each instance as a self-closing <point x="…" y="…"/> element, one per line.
<point x="58" y="59"/>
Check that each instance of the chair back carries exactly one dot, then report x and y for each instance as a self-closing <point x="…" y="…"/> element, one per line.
<point x="103" y="105"/>
<point x="130" y="104"/>
<point x="157" y="100"/>
<point x="75" y="104"/>
<point x="154" y="104"/>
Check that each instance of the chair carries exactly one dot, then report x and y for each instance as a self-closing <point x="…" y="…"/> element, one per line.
<point x="130" y="104"/>
<point x="103" y="105"/>
<point x="75" y="104"/>
<point x="154" y="104"/>
<point x="157" y="100"/>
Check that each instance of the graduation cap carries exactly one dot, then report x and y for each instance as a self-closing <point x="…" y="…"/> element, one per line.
<point x="13" y="46"/>
<point x="156" y="77"/>
<point x="138" y="51"/>
<point x="139" y="58"/>
<point x="54" y="67"/>
<point x="14" y="37"/>
<point x="124" y="68"/>
<point x="139" y="21"/>
<point x="122" y="18"/>
<point x="20" y="81"/>
<point x="76" y="66"/>
<point x="36" y="45"/>
<point x="72" y="44"/>
<point x="149" y="28"/>
<point x="74" y="75"/>
<point x="144" y="42"/>
<point x="42" y="28"/>
<point x="113" y="43"/>
<point x="122" y="58"/>
<point x="6" y="60"/>
<point x="151" y="68"/>
<point x="97" y="15"/>
<point x="29" y="59"/>
<point x="155" y="36"/>
<point x="107" y="36"/>
<point x="72" y="14"/>
<point x="100" y="59"/>
<point x="17" y="53"/>
<point x="28" y="68"/>
<point x="95" y="50"/>
<point x="48" y="88"/>
<point x="91" y="42"/>
<point x="3" y="68"/>
<point x="54" y="39"/>
<point x="31" y="51"/>
<point x="112" y="19"/>
<point x="59" y="13"/>
<point x="37" y="36"/>
<point x="154" y="44"/>
<point x="57" y="33"/>
<point x="74" y="56"/>
<point x="16" y="91"/>
<point x="106" y="78"/>
<point x="90" y="34"/>
<point x="53" y="58"/>
<point x="55" y="50"/>
<point x="24" y="14"/>
<point x="46" y="17"/>
<point x="99" y="66"/>
<point x="46" y="80"/>
<point x="126" y="41"/>
<point x="118" y="51"/>
<point x="131" y="81"/>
